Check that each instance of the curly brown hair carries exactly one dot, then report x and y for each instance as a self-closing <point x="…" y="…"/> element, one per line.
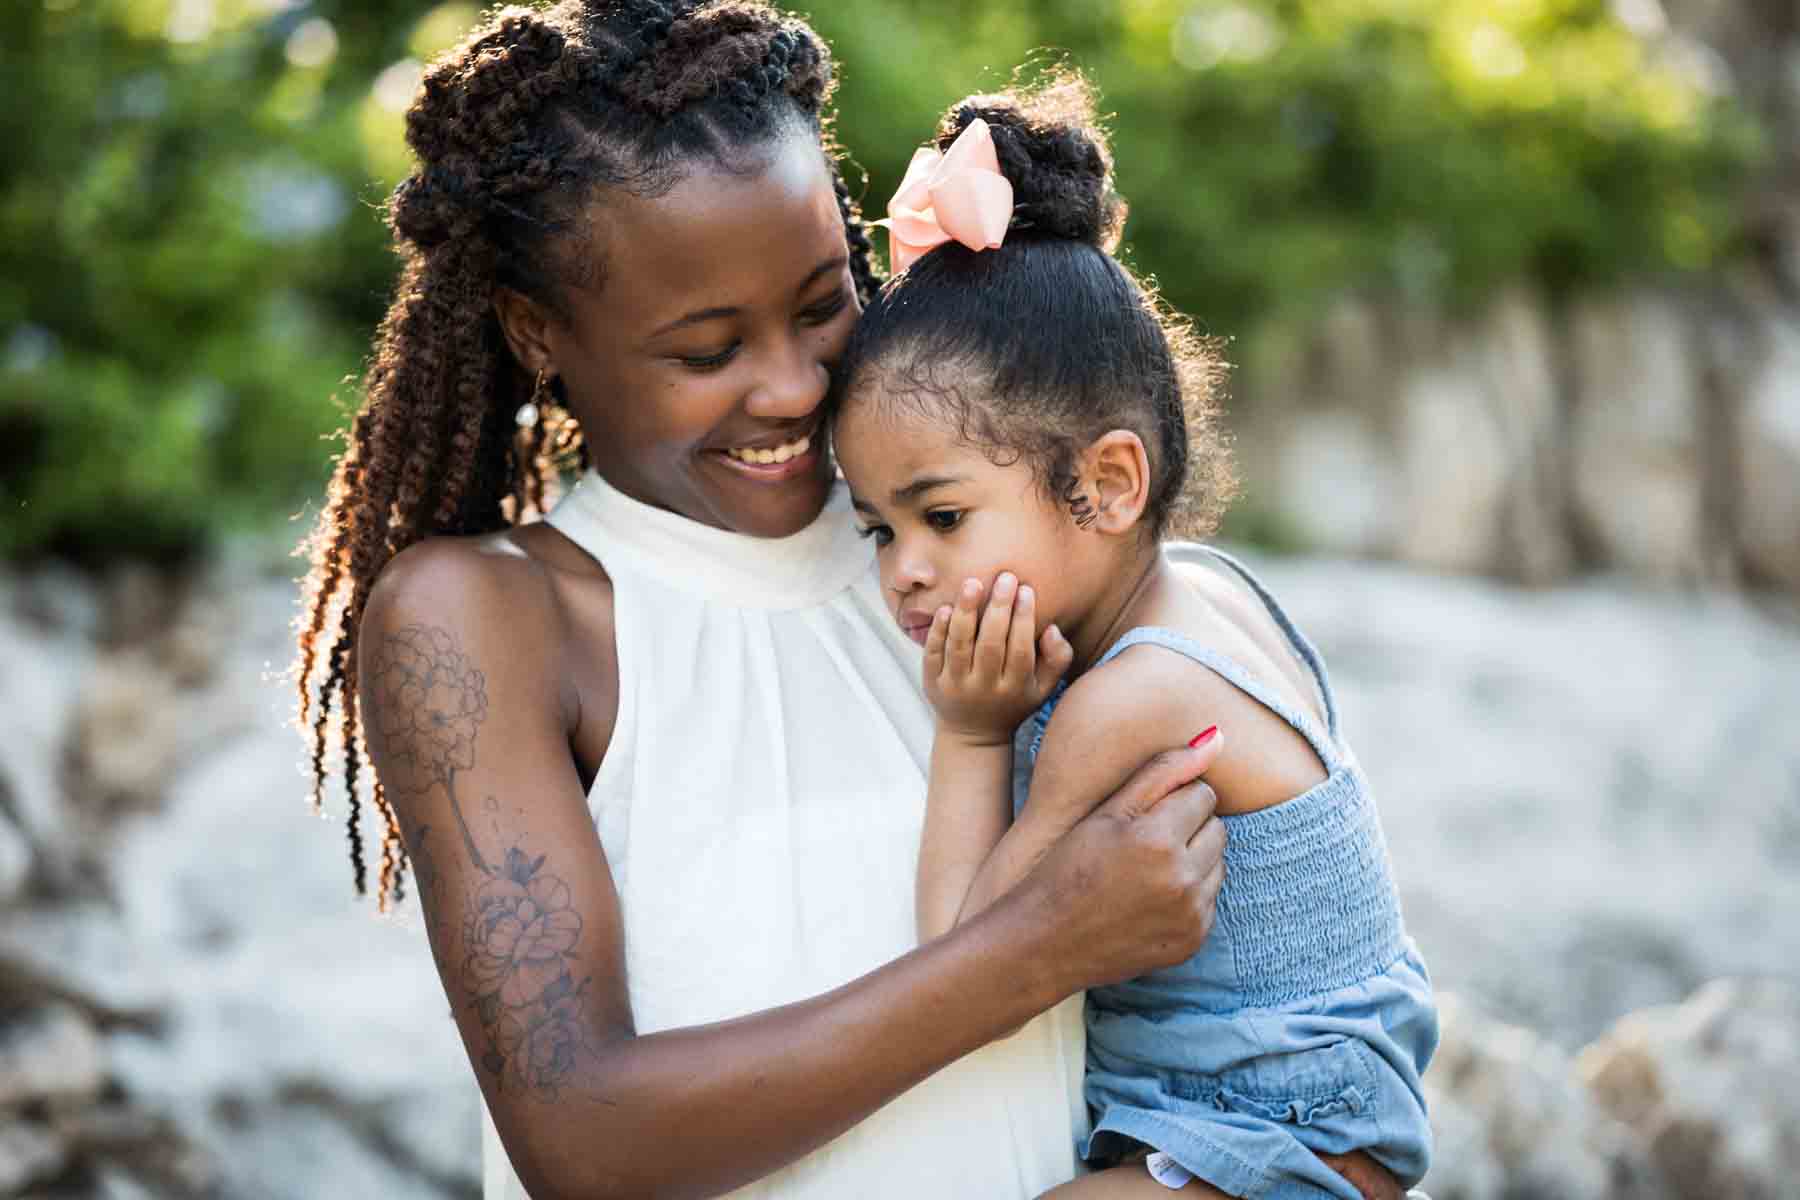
<point x="515" y="131"/>
<point x="1066" y="341"/>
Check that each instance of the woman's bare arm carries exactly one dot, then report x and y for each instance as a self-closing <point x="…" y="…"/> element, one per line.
<point x="1108" y="722"/>
<point x="468" y="716"/>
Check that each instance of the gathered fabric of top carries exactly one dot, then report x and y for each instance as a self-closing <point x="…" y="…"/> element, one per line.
<point x="760" y="806"/>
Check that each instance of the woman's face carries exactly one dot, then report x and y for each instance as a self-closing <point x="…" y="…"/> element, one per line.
<point x="698" y="365"/>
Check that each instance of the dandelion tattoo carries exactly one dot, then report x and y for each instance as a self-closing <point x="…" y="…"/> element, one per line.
<point x="519" y="934"/>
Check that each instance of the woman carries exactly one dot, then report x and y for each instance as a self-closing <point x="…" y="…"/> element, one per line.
<point x="626" y="239"/>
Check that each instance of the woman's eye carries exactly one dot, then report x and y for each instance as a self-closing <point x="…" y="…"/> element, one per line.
<point x="820" y="313"/>
<point x="944" y="519"/>
<point x="881" y="533"/>
<point x="708" y="362"/>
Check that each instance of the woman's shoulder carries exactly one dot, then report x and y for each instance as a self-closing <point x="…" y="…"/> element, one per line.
<point x="515" y="574"/>
<point x="537" y="608"/>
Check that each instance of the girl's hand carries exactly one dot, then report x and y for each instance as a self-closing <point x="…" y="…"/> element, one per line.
<point x="986" y="670"/>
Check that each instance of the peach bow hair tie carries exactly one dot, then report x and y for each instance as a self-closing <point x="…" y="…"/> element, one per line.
<point x="959" y="194"/>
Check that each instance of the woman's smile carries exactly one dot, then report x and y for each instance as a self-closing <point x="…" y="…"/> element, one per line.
<point x="772" y="462"/>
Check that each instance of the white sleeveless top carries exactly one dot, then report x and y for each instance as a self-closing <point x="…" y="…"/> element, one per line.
<point x="760" y="806"/>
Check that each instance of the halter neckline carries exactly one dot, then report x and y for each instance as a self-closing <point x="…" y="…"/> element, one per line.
<point x="753" y="572"/>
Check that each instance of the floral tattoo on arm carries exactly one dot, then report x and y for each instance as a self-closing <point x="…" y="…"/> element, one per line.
<point x="516" y="962"/>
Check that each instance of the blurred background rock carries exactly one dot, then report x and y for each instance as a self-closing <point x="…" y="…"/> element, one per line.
<point x="1512" y="290"/>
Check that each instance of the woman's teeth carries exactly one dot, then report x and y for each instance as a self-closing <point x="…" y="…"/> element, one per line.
<point x="779" y="454"/>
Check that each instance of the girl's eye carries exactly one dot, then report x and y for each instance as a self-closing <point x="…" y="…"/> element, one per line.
<point x="709" y="362"/>
<point x="820" y="313"/>
<point x="881" y="533"/>
<point x="944" y="519"/>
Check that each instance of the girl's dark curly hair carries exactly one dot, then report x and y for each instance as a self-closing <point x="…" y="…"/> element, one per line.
<point x="1037" y="348"/>
<point x="516" y="130"/>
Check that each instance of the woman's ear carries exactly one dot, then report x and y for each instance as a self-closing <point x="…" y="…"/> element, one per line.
<point x="1116" y="474"/>
<point x="527" y="326"/>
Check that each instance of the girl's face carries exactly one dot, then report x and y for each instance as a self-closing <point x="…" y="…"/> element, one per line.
<point x="698" y="365"/>
<point x="941" y="512"/>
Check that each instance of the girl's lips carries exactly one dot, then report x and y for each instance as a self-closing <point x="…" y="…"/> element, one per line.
<point x="916" y="626"/>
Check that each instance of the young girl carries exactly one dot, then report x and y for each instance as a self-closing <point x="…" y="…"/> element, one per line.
<point x="1015" y="407"/>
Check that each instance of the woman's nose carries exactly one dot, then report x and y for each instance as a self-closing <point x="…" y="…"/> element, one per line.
<point x="794" y="385"/>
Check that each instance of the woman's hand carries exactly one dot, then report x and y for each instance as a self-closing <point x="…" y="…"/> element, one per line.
<point x="1131" y="888"/>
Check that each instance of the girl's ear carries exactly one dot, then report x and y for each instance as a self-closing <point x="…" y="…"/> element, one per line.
<point x="527" y="326"/>
<point x="1116" y="473"/>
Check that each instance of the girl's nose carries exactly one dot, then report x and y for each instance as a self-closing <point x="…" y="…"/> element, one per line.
<point x="912" y="572"/>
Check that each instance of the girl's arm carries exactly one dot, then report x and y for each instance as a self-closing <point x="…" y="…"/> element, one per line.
<point x="469" y="708"/>
<point x="983" y="675"/>
<point x="968" y="806"/>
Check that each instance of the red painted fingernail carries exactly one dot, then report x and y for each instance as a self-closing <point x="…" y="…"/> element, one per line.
<point x="1206" y="735"/>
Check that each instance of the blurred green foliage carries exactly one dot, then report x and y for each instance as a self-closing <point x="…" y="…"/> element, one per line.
<point x="192" y="261"/>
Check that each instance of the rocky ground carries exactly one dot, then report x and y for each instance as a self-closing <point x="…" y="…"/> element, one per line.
<point x="1592" y="796"/>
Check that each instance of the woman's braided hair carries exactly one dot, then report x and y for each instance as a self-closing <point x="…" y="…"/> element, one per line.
<point x="516" y="130"/>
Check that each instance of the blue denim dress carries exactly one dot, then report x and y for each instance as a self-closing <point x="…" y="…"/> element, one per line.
<point x="1303" y="1024"/>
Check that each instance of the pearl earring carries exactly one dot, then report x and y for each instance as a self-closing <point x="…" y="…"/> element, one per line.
<point x="532" y="409"/>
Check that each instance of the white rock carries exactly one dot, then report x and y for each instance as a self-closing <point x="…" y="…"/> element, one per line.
<point x="28" y="1152"/>
<point x="1313" y="443"/>
<point x="1638" y="459"/>
<point x="64" y="602"/>
<point x="129" y="732"/>
<point x="1335" y="484"/>
<point x="1708" y="1085"/>
<point x="1455" y="471"/>
<point x="137" y="724"/>
<point x="300" y="1153"/>
<point x="239" y="902"/>
<point x="139" y="600"/>
<point x="1480" y="441"/>
<point x="50" y="1054"/>
<point x="1463" y="1163"/>
<point x="1354" y="355"/>
<point x="1545" y="1132"/>
<point x="16" y="856"/>
<point x="1518" y="373"/>
<point x="111" y="1183"/>
<point x="40" y="674"/>
<point x="80" y="950"/>
<point x="1768" y="500"/>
